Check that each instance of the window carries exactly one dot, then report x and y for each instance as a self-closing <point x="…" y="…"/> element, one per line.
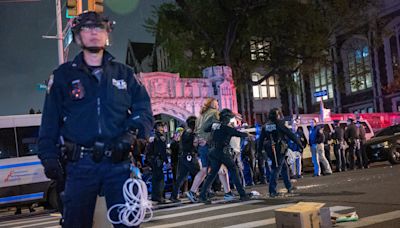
<point x="27" y="140"/>
<point x="267" y="89"/>
<point x="323" y="81"/>
<point x="259" y="49"/>
<point x="359" y="69"/>
<point x="7" y="143"/>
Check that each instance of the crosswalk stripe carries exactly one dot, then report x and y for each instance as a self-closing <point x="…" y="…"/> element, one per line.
<point x="210" y="218"/>
<point x="208" y="209"/>
<point x="367" y="221"/>
<point x="187" y="206"/>
<point x="270" y="221"/>
<point x="29" y="220"/>
<point x="36" y="224"/>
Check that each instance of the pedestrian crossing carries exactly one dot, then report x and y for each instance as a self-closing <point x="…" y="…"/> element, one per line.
<point x="237" y="214"/>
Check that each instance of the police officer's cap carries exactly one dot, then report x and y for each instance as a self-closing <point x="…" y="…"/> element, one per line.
<point x="91" y="18"/>
<point x="158" y="123"/>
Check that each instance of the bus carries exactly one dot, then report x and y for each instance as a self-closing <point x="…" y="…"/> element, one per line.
<point x="22" y="178"/>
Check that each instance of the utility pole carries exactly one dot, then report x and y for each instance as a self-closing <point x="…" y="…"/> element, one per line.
<point x="59" y="33"/>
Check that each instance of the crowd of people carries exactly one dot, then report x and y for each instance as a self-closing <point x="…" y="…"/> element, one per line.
<point x="203" y="151"/>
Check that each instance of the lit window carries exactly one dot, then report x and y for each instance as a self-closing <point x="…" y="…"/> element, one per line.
<point x="359" y="68"/>
<point x="323" y="81"/>
<point x="267" y="88"/>
<point x="259" y="49"/>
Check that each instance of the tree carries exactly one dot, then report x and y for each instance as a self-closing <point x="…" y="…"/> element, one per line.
<point x="198" y="34"/>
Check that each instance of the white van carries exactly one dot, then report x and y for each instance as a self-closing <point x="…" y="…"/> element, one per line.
<point x="22" y="179"/>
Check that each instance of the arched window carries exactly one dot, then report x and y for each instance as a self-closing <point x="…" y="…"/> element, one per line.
<point x="357" y="65"/>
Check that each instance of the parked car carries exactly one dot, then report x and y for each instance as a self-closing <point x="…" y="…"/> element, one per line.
<point x="385" y="145"/>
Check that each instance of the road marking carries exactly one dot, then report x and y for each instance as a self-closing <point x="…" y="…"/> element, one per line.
<point x="187" y="206"/>
<point x="210" y="218"/>
<point x="208" y="209"/>
<point x="37" y="224"/>
<point x="367" y="221"/>
<point x="271" y="221"/>
<point x="29" y="220"/>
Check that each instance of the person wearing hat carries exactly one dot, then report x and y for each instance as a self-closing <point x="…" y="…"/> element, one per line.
<point x="95" y="108"/>
<point x="157" y="155"/>
<point x="338" y="146"/>
<point x="351" y="135"/>
<point x="174" y="148"/>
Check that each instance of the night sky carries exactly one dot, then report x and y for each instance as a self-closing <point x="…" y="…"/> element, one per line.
<point x="27" y="59"/>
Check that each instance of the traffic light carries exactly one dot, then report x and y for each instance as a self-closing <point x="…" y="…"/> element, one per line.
<point x="96" y="5"/>
<point x="74" y="7"/>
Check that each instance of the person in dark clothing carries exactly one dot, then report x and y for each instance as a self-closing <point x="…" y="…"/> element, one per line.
<point x="187" y="163"/>
<point x="327" y="146"/>
<point x="363" y="140"/>
<point x="338" y="146"/>
<point x="316" y="141"/>
<point x="277" y="135"/>
<point x="351" y="136"/>
<point x="248" y="151"/>
<point x="221" y="153"/>
<point x="95" y="107"/>
<point x="157" y="155"/>
<point x="175" y="147"/>
<point x="297" y="163"/>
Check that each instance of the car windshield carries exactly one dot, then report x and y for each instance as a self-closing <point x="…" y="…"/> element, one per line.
<point x="388" y="131"/>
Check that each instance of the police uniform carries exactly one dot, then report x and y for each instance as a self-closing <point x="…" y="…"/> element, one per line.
<point x="274" y="133"/>
<point x="157" y="155"/>
<point x="187" y="161"/>
<point x="221" y="153"/>
<point x="85" y="106"/>
<point x="351" y="136"/>
<point x="338" y="144"/>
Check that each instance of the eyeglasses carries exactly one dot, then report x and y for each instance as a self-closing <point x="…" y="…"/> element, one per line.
<point x="93" y="27"/>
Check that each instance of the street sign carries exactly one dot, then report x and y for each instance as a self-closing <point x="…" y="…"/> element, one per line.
<point x="320" y="93"/>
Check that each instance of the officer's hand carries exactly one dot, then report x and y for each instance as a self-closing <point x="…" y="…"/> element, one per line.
<point x="125" y="141"/>
<point x="53" y="169"/>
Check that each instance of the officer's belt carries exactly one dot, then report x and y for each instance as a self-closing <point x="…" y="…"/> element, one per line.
<point x="75" y="150"/>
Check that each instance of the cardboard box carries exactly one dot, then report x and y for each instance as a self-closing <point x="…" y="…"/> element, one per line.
<point x="300" y="215"/>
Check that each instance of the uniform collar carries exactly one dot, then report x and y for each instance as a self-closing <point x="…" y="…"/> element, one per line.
<point x="80" y="63"/>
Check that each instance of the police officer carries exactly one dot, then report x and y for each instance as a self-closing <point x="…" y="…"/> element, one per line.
<point x="94" y="106"/>
<point x="275" y="133"/>
<point x="351" y="136"/>
<point x="187" y="158"/>
<point x="362" y="141"/>
<point x="338" y="144"/>
<point x="157" y="155"/>
<point x="221" y="153"/>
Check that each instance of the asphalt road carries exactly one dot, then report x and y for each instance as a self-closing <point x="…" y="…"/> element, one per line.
<point x="372" y="193"/>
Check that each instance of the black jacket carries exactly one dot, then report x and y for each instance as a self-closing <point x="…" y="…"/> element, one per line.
<point x="83" y="109"/>
<point x="158" y="148"/>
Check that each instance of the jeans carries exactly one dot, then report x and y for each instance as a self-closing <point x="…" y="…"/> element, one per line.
<point x="340" y="156"/>
<point x="318" y="155"/>
<point x="216" y="160"/>
<point x="280" y="168"/>
<point x="85" y="180"/>
<point x="185" y="168"/>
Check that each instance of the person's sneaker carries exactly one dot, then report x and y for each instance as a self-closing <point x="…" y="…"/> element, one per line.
<point x="292" y="189"/>
<point x="192" y="196"/>
<point x="229" y="196"/>
<point x="210" y="194"/>
<point x="204" y="200"/>
<point x="273" y="195"/>
<point x="175" y="200"/>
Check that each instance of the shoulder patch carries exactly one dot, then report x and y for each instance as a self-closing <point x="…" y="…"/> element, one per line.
<point x="215" y="126"/>
<point x="270" y="127"/>
<point x="50" y="82"/>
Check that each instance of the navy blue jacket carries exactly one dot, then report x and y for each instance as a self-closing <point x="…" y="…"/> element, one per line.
<point x="84" y="110"/>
